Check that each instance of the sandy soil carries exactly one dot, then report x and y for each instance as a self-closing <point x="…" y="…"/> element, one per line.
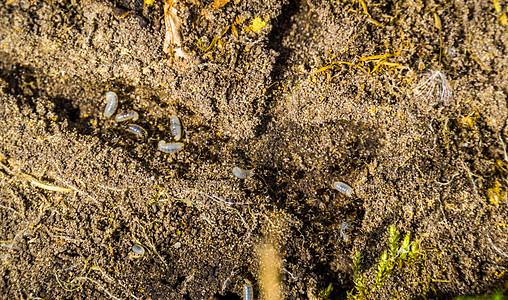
<point x="305" y="92"/>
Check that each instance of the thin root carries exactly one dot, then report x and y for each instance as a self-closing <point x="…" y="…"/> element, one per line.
<point x="496" y="248"/>
<point x="504" y="148"/>
<point x="470" y="175"/>
<point x="219" y="200"/>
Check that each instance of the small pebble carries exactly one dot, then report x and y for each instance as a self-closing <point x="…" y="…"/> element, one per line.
<point x="127" y="116"/>
<point x="136" y="130"/>
<point x="176" y="128"/>
<point x="169" y="147"/>
<point x="242" y="173"/>
<point x="343" y="188"/>
<point x="177" y="245"/>
<point x="138" y="249"/>
<point x="111" y="105"/>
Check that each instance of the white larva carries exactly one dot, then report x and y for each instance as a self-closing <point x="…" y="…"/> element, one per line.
<point x="169" y="147"/>
<point x="176" y="128"/>
<point x="138" y="249"/>
<point x="242" y="173"/>
<point x="343" y="188"/>
<point x="127" y="116"/>
<point x="111" y="105"/>
<point x="136" y="130"/>
<point x="247" y="291"/>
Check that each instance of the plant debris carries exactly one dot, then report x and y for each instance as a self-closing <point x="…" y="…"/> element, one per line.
<point x="173" y="37"/>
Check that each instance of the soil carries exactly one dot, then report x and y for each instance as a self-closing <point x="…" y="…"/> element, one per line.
<point x="318" y="92"/>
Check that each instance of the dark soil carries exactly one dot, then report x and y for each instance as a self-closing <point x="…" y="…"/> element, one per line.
<point x="278" y="100"/>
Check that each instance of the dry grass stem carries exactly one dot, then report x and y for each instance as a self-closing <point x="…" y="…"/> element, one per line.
<point x="45" y="186"/>
<point x="270" y="265"/>
<point x="34" y="181"/>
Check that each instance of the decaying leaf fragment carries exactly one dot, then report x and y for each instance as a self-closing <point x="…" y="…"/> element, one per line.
<point x="257" y="24"/>
<point x="173" y="37"/>
<point x="219" y="3"/>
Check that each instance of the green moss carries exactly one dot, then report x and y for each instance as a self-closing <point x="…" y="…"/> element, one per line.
<point x="358" y="276"/>
<point x="325" y="294"/>
<point x="495" y="296"/>
<point x="398" y="254"/>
